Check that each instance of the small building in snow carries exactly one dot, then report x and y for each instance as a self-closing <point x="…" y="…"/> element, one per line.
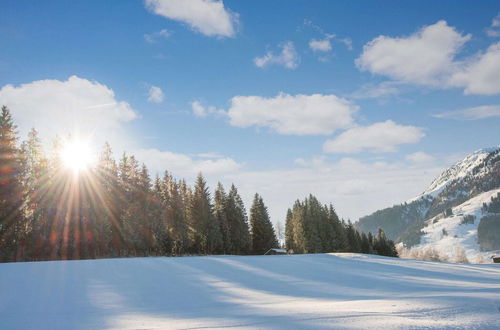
<point x="275" y="252"/>
<point x="496" y="259"/>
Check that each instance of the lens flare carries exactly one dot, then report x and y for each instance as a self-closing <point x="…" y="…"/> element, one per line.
<point x="76" y="155"/>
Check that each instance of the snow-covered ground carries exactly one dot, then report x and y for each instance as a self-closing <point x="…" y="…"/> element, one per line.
<point x="298" y="291"/>
<point x="458" y="235"/>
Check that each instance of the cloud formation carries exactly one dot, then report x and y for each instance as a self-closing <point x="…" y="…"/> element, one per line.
<point x="155" y="95"/>
<point x="64" y="107"/>
<point x="356" y="188"/>
<point x="419" y="157"/>
<point x="199" y="110"/>
<point x="156" y="36"/>
<point x="480" y="74"/>
<point x="382" y="90"/>
<point x="208" y="17"/>
<point x="293" y="114"/>
<point x="323" y="45"/>
<point x="494" y="30"/>
<point x="182" y="165"/>
<point x="425" y="57"/>
<point x="474" y="113"/>
<point x="376" y="138"/>
<point x="287" y="58"/>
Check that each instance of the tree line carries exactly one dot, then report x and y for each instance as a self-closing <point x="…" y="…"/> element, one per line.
<point x="115" y="209"/>
<point x="315" y="228"/>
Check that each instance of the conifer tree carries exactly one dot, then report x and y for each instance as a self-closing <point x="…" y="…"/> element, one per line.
<point x="263" y="236"/>
<point x="109" y="226"/>
<point x="289" y="242"/>
<point x="220" y="209"/>
<point x="158" y="223"/>
<point x="207" y="237"/>
<point x="34" y="167"/>
<point x="238" y="223"/>
<point x="11" y="217"/>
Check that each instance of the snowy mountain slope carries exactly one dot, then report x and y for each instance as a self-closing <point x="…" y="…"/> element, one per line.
<point x="449" y="233"/>
<point x="466" y="167"/>
<point x="476" y="174"/>
<point x="265" y="292"/>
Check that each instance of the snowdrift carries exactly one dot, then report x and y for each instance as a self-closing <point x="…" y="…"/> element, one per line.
<point x="298" y="291"/>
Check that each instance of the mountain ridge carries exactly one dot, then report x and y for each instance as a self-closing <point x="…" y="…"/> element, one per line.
<point x="477" y="173"/>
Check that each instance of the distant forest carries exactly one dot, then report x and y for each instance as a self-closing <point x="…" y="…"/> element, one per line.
<point x="115" y="209"/>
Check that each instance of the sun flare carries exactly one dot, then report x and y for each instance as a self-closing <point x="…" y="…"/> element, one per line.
<point x="76" y="155"/>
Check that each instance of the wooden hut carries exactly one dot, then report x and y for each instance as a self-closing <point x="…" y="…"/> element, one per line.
<point x="496" y="259"/>
<point x="275" y="252"/>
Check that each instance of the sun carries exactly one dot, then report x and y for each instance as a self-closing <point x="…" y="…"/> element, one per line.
<point x="76" y="155"/>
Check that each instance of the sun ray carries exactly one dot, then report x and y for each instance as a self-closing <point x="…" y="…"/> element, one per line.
<point x="76" y="155"/>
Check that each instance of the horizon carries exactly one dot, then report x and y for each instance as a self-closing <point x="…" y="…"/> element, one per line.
<point x="326" y="101"/>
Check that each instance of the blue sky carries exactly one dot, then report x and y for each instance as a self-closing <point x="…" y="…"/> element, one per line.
<point x="361" y="103"/>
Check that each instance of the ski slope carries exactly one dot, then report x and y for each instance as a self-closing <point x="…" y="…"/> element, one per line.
<point x="265" y="292"/>
<point x="457" y="234"/>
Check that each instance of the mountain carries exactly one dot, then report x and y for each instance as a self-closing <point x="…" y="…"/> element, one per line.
<point x="448" y="214"/>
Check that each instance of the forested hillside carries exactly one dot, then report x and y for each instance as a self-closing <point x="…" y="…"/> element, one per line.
<point x="114" y="209"/>
<point x="477" y="173"/>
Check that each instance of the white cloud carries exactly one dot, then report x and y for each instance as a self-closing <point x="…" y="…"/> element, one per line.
<point x="480" y="74"/>
<point x="494" y="30"/>
<point x="76" y="105"/>
<point x="288" y="57"/>
<point x="425" y="57"/>
<point x="320" y="45"/>
<point x="198" y="109"/>
<point x="419" y="157"/>
<point x="155" y="36"/>
<point x="347" y="42"/>
<point x="209" y="155"/>
<point x="377" y="138"/>
<point x="201" y="111"/>
<point x="155" y="95"/>
<point x="182" y="165"/>
<point x="354" y="187"/>
<point x="376" y="91"/>
<point x="208" y="17"/>
<point x="474" y="113"/>
<point x="293" y="114"/>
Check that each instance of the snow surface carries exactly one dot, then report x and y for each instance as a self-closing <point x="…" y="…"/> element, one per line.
<point x="458" y="235"/>
<point x="270" y="292"/>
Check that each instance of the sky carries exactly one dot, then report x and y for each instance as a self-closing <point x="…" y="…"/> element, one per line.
<point x="361" y="103"/>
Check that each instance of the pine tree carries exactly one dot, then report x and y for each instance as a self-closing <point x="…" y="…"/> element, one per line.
<point x="207" y="237"/>
<point x="109" y="225"/>
<point x="11" y="194"/>
<point x="353" y="241"/>
<point x="238" y="223"/>
<point x="289" y="242"/>
<point x="299" y="234"/>
<point x="220" y="209"/>
<point x="263" y="236"/>
<point x="34" y="172"/>
<point x="145" y="218"/>
<point x="339" y="239"/>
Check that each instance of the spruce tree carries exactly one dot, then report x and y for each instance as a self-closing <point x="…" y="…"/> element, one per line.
<point x="34" y="180"/>
<point x="289" y="242"/>
<point x="263" y="236"/>
<point x="11" y="194"/>
<point x="207" y="236"/>
<point x="220" y="209"/>
<point x="109" y="228"/>
<point x="241" y="242"/>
